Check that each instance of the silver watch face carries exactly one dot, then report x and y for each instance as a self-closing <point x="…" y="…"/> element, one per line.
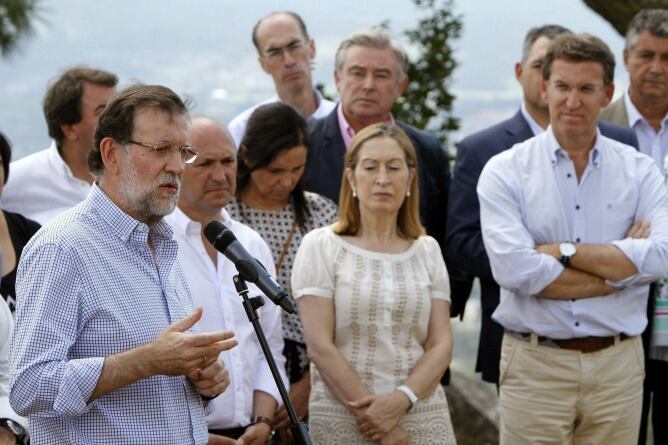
<point x="13" y="427"/>
<point x="567" y="249"/>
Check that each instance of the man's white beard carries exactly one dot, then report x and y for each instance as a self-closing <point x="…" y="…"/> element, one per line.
<point x="141" y="199"/>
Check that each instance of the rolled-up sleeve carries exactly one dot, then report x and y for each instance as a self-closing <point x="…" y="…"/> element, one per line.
<point x="45" y="381"/>
<point x="515" y="263"/>
<point x="650" y="255"/>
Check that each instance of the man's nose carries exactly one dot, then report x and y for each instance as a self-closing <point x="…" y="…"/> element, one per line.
<point x="288" y="60"/>
<point x="175" y="163"/>
<point x="369" y="82"/>
<point x="573" y="98"/>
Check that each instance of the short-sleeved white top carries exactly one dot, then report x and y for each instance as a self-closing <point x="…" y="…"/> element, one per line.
<point x="382" y="301"/>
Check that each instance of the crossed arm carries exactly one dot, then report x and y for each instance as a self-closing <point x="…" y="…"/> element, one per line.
<point x="590" y="268"/>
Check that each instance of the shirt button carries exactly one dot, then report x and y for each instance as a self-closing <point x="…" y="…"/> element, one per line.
<point x="577" y="323"/>
<point x="577" y="240"/>
<point x="577" y="207"/>
<point x="568" y="175"/>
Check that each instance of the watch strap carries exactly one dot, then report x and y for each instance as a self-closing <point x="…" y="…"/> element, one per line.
<point x="262" y="419"/>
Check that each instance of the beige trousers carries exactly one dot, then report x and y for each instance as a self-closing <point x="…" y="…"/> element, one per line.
<point x="562" y="397"/>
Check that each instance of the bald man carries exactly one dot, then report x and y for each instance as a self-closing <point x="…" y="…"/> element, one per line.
<point x="209" y="183"/>
<point x="286" y="53"/>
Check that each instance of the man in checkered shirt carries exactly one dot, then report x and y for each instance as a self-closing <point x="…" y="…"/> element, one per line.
<point x="103" y="350"/>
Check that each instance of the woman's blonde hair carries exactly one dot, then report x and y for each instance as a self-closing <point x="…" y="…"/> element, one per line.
<point x="408" y="220"/>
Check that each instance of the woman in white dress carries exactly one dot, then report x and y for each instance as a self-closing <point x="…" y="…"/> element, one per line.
<point x="374" y="296"/>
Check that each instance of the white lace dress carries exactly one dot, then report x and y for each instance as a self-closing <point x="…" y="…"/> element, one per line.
<point x="382" y="307"/>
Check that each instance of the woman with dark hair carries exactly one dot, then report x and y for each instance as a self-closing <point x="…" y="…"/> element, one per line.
<point x="270" y="199"/>
<point x="15" y="232"/>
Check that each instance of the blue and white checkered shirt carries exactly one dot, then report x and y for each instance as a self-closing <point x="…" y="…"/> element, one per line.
<point x="89" y="286"/>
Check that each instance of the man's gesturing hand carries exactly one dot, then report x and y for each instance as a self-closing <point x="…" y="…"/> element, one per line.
<point x="177" y="352"/>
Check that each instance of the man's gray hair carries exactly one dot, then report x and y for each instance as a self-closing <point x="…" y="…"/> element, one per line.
<point x="376" y="37"/>
<point x="654" y="21"/>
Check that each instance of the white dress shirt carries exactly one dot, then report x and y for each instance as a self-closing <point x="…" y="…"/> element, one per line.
<point x="42" y="186"/>
<point x="536" y="129"/>
<point x="530" y="195"/>
<point x="237" y="126"/>
<point x="212" y="288"/>
<point x="651" y="142"/>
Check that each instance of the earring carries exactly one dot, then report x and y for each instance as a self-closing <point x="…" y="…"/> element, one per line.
<point x="408" y="193"/>
<point x="354" y="193"/>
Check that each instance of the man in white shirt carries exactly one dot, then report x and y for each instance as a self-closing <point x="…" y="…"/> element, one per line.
<point x="285" y="52"/>
<point x="576" y="227"/>
<point x="45" y="184"/>
<point x="644" y="109"/>
<point x="246" y="408"/>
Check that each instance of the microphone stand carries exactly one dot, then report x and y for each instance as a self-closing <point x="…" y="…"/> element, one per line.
<point x="300" y="434"/>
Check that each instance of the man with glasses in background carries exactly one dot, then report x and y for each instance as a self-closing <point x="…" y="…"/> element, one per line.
<point x="285" y="52"/>
<point x="103" y="350"/>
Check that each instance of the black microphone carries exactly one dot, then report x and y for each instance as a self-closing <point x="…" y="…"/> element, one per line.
<point x="251" y="270"/>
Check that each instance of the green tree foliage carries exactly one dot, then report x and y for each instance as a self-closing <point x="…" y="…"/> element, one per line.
<point x="620" y="13"/>
<point x="16" y="19"/>
<point x="427" y="101"/>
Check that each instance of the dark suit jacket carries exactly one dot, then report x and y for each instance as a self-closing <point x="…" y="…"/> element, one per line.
<point x="325" y="165"/>
<point x="465" y="248"/>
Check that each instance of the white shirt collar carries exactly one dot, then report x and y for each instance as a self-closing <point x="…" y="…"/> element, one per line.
<point x="633" y="113"/>
<point x="185" y="226"/>
<point x="557" y="153"/>
<point x="535" y="128"/>
<point x="58" y="163"/>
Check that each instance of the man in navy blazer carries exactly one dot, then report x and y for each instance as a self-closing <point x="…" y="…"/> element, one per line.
<point x="370" y="75"/>
<point x="465" y="248"/>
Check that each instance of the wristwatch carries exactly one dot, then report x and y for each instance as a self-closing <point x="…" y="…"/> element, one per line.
<point x="262" y="419"/>
<point x="15" y="428"/>
<point x="567" y="250"/>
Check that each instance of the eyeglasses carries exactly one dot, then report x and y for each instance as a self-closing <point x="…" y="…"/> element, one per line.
<point x="293" y="48"/>
<point x="585" y="89"/>
<point x="188" y="153"/>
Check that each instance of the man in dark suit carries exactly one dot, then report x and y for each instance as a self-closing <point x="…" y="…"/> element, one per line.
<point x="465" y="247"/>
<point x="370" y="75"/>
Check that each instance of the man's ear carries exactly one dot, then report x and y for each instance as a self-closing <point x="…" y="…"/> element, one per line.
<point x="403" y="84"/>
<point x="310" y="45"/>
<point x="518" y="70"/>
<point x="71" y="131"/>
<point x="111" y="156"/>
<point x="609" y="92"/>
<point x="337" y="80"/>
<point x="543" y="89"/>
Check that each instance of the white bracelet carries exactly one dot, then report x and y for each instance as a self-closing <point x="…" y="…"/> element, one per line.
<point x="409" y="393"/>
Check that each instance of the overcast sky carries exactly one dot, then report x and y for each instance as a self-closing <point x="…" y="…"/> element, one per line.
<point x="202" y="48"/>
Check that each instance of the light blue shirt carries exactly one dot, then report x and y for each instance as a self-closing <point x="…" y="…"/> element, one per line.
<point x="89" y="286"/>
<point x="651" y="142"/>
<point x="530" y="195"/>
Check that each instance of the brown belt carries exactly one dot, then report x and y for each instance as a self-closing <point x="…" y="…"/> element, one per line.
<point x="583" y="344"/>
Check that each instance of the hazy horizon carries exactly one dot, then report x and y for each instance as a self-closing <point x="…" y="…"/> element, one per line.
<point x="203" y="50"/>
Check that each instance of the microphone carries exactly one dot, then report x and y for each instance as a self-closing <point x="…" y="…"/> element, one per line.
<point x="251" y="270"/>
